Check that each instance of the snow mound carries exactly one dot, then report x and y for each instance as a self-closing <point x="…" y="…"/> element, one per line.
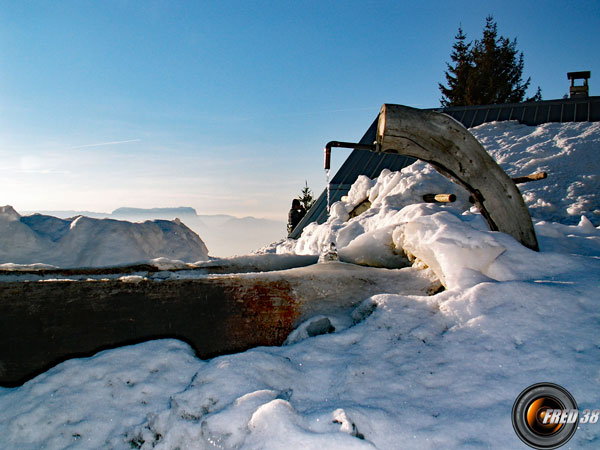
<point x="88" y="242"/>
<point x="454" y="240"/>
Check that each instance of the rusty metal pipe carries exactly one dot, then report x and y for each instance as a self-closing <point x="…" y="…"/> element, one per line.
<point x="353" y="145"/>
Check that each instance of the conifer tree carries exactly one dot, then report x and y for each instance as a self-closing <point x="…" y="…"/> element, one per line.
<point x="306" y="197"/>
<point x="457" y="74"/>
<point x="537" y="97"/>
<point x="493" y="73"/>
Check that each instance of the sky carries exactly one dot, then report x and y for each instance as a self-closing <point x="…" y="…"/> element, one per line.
<point x="225" y="106"/>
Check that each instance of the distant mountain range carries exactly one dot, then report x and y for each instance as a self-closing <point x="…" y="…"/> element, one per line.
<point x="181" y="211"/>
<point x="153" y="213"/>
<point x="224" y="235"/>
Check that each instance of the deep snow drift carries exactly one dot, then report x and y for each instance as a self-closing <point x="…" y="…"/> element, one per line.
<point x="88" y="242"/>
<point x="429" y="372"/>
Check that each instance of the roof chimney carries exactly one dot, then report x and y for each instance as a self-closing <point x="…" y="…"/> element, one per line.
<point x="581" y="91"/>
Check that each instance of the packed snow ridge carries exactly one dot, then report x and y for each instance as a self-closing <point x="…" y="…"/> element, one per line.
<point x="414" y="371"/>
<point x="87" y="242"/>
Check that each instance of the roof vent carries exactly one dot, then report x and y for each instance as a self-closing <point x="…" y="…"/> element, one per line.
<point x="581" y="91"/>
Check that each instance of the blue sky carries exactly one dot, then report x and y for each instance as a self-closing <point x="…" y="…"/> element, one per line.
<point x="225" y="106"/>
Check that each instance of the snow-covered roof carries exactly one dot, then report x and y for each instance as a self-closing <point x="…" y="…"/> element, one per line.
<point x="370" y="164"/>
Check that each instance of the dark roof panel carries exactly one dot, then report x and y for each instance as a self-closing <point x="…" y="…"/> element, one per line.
<point x="360" y="162"/>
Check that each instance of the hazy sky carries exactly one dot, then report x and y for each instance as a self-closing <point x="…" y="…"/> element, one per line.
<point x="225" y="106"/>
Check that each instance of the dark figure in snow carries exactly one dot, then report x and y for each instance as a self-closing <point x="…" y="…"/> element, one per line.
<point x="295" y="215"/>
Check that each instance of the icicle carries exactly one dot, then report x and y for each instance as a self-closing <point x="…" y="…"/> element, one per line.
<point x="327" y="172"/>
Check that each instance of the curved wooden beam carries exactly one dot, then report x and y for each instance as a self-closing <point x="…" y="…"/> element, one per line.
<point x="454" y="152"/>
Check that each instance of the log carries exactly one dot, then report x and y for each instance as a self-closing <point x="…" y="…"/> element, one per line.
<point x="439" y="198"/>
<point x="524" y="179"/>
<point x="44" y="323"/>
<point x="532" y="177"/>
<point x="454" y="152"/>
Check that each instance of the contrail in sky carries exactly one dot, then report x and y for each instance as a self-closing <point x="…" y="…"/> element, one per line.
<point x="106" y="143"/>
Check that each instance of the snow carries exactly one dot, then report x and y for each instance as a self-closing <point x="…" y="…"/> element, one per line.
<point x="39" y="241"/>
<point x="568" y="152"/>
<point x="409" y="370"/>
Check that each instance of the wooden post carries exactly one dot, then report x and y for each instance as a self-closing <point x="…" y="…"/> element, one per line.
<point x="439" y="198"/>
<point x="532" y="177"/>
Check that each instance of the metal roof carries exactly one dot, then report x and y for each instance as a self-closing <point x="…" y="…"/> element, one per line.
<point x="585" y="109"/>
